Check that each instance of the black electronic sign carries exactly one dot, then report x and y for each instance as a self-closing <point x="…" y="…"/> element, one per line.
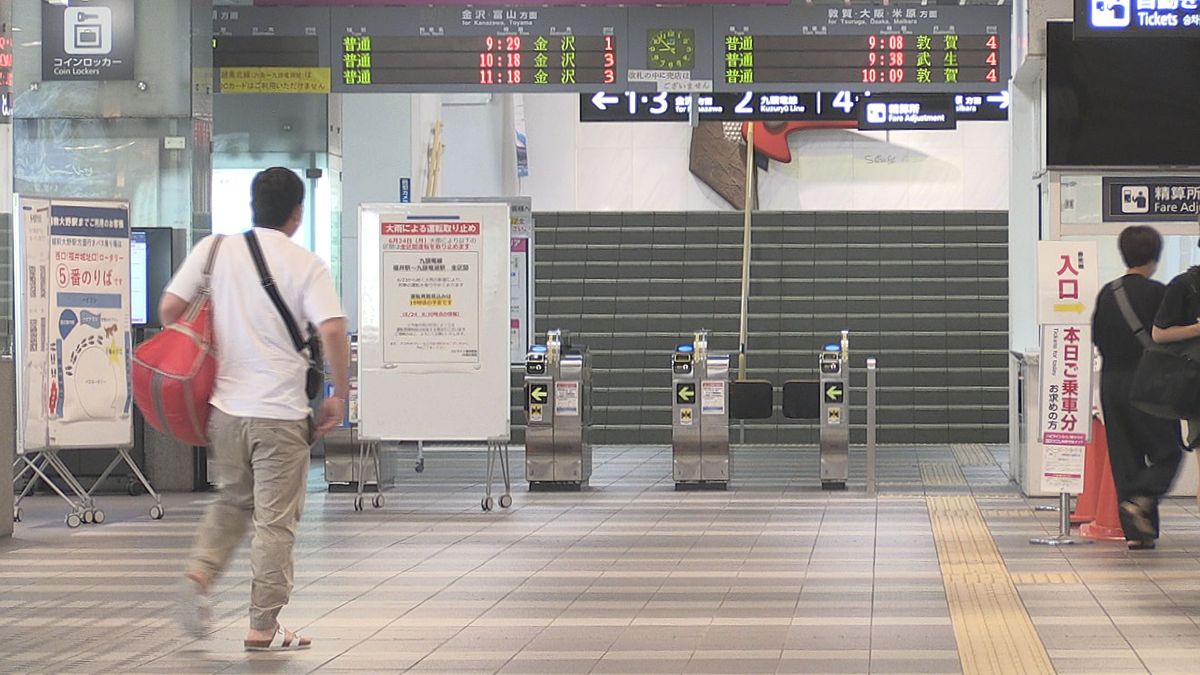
<point x="934" y="48"/>
<point x="471" y="49"/>
<point x="696" y="48"/>
<point x="841" y="106"/>
<point x="271" y="51"/>
<point x="1137" y="18"/>
<point x="88" y="41"/>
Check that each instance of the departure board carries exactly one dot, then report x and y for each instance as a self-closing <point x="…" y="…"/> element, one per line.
<point x="270" y="51"/>
<point x="435" y="49"/>
<point x="893" y="48"/>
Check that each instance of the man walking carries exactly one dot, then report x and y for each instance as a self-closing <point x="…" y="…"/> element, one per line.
<point x="260" y="429"/>
<point x="1144" y="451"/>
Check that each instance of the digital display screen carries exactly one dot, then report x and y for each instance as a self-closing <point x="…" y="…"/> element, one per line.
<point x="538" y="60"/>
<point x="1121" y="102"/>
<point x="266" y="51"/>
<point x="911" y="61"/>
<point x="911" y="49"/>
<point x="139" y="282"/>
<point x="472" y="49"/>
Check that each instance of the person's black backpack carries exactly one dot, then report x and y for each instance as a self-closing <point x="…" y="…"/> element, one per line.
<point x="1167" y="381"/>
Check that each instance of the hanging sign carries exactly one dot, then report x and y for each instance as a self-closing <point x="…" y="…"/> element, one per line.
<point x="88" y="40"/>
<point x="431" y="292"/>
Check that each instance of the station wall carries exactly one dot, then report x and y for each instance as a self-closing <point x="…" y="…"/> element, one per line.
<point x="575" y="166"/>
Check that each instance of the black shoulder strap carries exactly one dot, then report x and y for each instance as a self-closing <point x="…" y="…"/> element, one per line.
<point x="1131" y="317"/>
<point x="268" y="284"/>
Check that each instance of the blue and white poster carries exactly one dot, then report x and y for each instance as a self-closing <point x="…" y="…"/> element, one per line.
<point x="88" y="397"/>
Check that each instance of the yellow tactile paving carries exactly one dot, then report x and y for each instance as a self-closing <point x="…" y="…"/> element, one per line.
<point x="942" y="473"/>
<point x="972" y="454"/>
<point x="1045" y="578"/>
<point x="992" y="627"/>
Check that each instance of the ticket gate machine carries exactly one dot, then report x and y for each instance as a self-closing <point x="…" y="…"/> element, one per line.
<point x="834" y="362"/>
<point x="558" y="412"/>
<point x="700" y="415"/>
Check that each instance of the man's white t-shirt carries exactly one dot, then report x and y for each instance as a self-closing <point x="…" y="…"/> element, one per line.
<point x="260" y="373"/>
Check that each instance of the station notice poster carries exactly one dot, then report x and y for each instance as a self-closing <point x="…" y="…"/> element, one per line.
<point x="521" y="272"/>
<point x="566" y="398"/>
<point x="1062" y="469"/>
<point x="431" y="290"/>
<point x="76" y="338"/>
<point x="712" y="397"/>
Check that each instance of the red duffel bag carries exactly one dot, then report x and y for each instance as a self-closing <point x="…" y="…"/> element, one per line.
<point x="175" y="371"/>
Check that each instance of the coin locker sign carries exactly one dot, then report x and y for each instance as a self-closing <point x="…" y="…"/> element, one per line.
<point x="88" y="40"/>
<point x="431" y="289"/>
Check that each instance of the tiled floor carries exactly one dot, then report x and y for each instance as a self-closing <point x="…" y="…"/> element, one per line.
<point x="631" y="576"/>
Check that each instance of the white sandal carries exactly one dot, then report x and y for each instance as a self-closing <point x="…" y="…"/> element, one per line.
<point x="283" y="641"/>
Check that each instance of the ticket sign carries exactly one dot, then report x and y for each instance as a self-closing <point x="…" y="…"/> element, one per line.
<point x="1068" y="281"/>
<point x="1137" y="18"/>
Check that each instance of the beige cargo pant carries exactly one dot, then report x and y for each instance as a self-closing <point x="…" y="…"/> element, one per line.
<point x="262" y="470"/>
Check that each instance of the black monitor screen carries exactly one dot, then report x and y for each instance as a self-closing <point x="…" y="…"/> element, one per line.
<point x="1130" y="102"/>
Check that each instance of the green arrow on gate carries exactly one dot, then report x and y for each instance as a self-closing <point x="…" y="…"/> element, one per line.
<point x="834" y="393"/>
<point x="685" y="393"/>
<point x="538" y="393"/>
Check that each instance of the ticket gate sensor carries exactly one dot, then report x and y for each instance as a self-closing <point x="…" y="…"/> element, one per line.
<point x="700" y="416"/>
<point x="558" y="413"/>
<point x="834" y="362"/>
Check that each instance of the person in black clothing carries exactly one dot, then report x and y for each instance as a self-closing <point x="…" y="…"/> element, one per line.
<point x="1144" y="451"/>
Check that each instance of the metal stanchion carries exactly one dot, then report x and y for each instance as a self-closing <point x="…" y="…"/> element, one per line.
<point x="872" y="478"/>
<point x="1064" y="537"/>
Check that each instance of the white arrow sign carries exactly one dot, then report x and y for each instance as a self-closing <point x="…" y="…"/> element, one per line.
<point x="1002" y="99"/>
<point x="602" y="100"/>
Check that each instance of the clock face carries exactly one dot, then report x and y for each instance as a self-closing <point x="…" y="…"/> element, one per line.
<point x="671" y="49"/>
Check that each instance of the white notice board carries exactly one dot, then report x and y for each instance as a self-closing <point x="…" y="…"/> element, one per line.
<point x="72" y="289"/>
<point x="434" y="322"/>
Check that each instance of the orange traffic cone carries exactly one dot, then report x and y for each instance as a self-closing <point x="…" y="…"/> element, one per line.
<point x="1107" y="524"/>
<point x="1096" y="452"/>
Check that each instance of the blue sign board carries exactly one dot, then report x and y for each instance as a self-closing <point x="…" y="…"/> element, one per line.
<point x="1137" y="18"/>
<point x="405" y="190"/>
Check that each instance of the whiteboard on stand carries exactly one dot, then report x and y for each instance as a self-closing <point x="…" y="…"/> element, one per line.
<point x="434" y="322"/>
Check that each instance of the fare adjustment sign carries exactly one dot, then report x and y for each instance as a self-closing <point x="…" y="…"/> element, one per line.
<point x="88" y="40"/>
<point x="1068" y="283"/>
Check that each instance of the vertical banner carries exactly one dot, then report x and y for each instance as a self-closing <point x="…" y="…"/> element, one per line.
<point x="431" y="290"/>
<point x="1066" y="380"/>
<point x="520" y="271"/>
<point x="32" y="306"/>
<point x="1068" y="283"/>
<point x="90" y="399"/>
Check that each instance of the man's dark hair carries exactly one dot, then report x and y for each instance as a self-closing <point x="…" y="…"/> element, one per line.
<point x="275" y="194"/>
<point x="1140" y="245"/>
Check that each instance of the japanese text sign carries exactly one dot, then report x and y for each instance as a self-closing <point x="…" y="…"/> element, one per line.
<point x="1068" y="281"/>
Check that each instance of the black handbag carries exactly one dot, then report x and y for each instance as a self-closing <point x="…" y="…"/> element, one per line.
<point x="308" y="345"/>
<point x="1166" y="383"/>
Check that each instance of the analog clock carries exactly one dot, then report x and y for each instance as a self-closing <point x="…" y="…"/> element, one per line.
<point x="671" y="49"/>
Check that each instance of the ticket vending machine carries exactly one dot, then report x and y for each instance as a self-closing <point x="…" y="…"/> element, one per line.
<point x="700" y="415"/>
<point x="558" y="400"/>
<point x="834" y="363"/>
